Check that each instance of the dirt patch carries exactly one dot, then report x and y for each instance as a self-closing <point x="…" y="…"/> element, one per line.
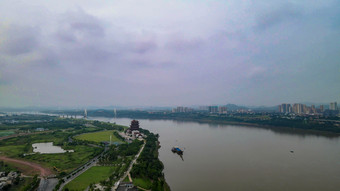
<point x="28" y="168"/>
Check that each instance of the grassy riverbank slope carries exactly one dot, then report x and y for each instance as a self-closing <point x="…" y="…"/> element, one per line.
<point x="148" y="171"/>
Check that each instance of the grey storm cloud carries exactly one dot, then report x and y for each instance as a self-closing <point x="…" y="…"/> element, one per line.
<point x="62" y="53"/>
<point x="19" y="40"/>
<point x="78" y="26"/>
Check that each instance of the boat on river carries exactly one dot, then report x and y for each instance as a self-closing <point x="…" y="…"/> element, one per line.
<point x="177" y="150"/>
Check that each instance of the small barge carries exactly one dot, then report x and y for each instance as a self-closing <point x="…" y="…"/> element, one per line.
<point x="177" y="150"/>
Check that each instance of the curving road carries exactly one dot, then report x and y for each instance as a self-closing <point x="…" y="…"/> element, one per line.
<point x="46" y="184"/>
<point x="44" y="172"/>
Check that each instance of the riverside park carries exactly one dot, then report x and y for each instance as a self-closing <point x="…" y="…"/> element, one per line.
<point x="77" y="154"/>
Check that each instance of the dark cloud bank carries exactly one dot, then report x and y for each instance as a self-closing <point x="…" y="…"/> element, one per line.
<point x="79" y="55"/>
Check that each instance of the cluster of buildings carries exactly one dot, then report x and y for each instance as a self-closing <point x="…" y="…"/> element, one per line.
<point x="299" y="108"/>
<point x="210" y="109"/>
<point x="214" y="109"/>
<point x="133" y="132"/>
<point x="181" y="109"/>
<point x="8" y="179"/>
<point x="222" y="110"/>
<point x="127" y="186"/>
<point x="333" y="106"/>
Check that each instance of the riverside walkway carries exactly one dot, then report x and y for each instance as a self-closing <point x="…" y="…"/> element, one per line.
<point x="127" y="173"/>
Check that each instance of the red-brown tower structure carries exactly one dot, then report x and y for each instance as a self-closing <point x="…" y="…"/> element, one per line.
<point x="134" y="125"/>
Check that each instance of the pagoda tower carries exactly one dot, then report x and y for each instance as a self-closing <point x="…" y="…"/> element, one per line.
<point x="134" y="125"/>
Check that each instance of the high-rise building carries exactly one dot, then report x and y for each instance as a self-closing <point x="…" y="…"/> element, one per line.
<point x="333" y="106"/>
<point x="298" y="108"/>
<point x="295" y="108"/>
<point x="213" y="109"/>
<point x="322" y="108"/>
<point x="305" y="109"/>
<point x="222" y="109"/>
<point x="203" y="108"/>
<point x="182" y="109"/>
<point x="312" y="109"/>
<point x="285" y="108"/>
<point x="289" y="109"/>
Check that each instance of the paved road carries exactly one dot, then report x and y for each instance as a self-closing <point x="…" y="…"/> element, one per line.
<point x="47" y="184"/>
<point x="86" y="166"/>
<point x="130" y="168"/>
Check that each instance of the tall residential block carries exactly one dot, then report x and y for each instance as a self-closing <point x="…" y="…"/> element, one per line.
<point x="222" y="109"/>
<point x="298" y="108"/>
<point x="322" y="108"/>
<point x="333" y="106"/>
<point x="285" y="108"/>
<point x="213" y="109"/>
<point x="181" y="109"/>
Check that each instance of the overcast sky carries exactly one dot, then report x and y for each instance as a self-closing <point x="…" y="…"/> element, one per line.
<point x="168" y="52"/>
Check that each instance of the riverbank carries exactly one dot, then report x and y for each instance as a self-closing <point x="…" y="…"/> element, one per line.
<point x="229" y="157"/>
<point x="314" y="124"/>
<point x="212" y="122"/>
<point x="280" y="129"/>
<point x="78" y="135"/>
<point x="147" y="173"/>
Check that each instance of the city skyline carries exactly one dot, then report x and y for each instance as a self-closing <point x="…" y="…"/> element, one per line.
<point x="298" y="107"/>
<point x="168" y="53"/>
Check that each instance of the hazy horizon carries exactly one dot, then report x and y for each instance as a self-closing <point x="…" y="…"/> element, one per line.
<point x="168" y="53"/>
<point x="146" y="107"/>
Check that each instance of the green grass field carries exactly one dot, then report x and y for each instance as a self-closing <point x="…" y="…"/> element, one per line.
<point x="6" y="133"/>
<point x="17" y="146"/>
<point x="12" y="150"/>
<point x="93" y="175"/>
<point x="144" y="183"/>
<point x="70" y="161"/>
<point x="98" y="136"/>
<point x="126" y="179"/>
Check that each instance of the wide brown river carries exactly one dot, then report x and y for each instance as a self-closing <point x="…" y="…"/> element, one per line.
<point x="226" y="157"/>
